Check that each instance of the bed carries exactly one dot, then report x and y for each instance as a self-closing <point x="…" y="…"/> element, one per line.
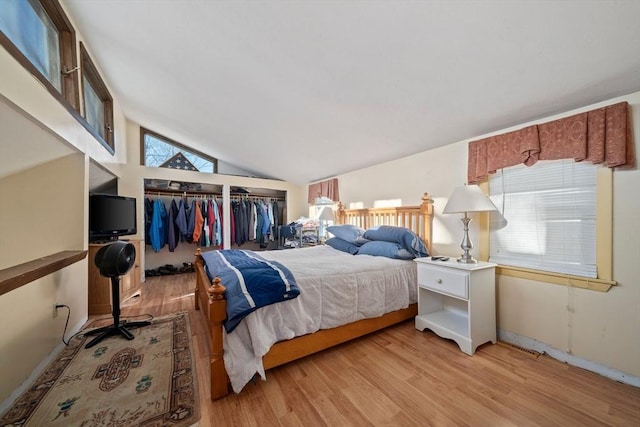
<point x="210" y="300"/>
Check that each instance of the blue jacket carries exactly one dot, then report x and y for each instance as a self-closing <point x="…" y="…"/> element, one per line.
<point x="181" y="220"/>
<point x="158" y="228"/>
<point x="173" y="232"/>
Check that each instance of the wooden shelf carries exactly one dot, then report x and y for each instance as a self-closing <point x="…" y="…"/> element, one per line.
<point x="13" y="277"/>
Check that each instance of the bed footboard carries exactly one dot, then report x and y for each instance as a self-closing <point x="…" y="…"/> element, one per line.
<point x="210" y="300"/>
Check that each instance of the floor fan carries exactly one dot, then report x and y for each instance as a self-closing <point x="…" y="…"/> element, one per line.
<point x="113" y="261"/>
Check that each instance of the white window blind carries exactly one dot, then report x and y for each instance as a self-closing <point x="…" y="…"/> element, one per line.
<point x="547" y="217"/>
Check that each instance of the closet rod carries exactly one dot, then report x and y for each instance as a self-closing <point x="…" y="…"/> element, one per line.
<point x="218" y="195"/>
<point x="179" y="193"/>
<point x="256" y="197"/>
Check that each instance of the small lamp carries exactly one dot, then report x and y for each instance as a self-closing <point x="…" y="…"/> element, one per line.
<point x="465" y="199"/>
<point x="325" y="216"/>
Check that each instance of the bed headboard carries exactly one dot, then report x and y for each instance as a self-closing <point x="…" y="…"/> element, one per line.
<point x="416" y="218"/>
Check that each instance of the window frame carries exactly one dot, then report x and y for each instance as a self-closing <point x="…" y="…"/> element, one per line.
<point x="92" y="76"/>
<point x="70" y="95"/>
<point x="145" y="131"/>
<point x="604" y="243"/>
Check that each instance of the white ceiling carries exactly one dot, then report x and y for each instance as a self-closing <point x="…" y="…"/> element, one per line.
<point x="303" y="90"/>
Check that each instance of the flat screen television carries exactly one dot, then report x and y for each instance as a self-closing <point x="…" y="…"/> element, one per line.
<point x="111" y="216"/>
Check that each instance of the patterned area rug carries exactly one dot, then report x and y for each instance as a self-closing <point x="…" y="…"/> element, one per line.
<point x="148" y="381"/>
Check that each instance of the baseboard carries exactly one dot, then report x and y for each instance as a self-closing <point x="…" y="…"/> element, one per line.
<point x="531" y="344"/>
<point x="41" y="367"/>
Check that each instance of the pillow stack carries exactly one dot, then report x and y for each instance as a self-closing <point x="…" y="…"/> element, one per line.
<point x="385" y="240"/>
<point x="345" y="237"/>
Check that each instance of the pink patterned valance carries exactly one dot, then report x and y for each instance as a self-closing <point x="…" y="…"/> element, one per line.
<point x="598" y="136"/>
<point x="328" y="188"/>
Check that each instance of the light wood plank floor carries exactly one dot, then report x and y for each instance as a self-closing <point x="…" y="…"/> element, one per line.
<point x="400" y="377"/>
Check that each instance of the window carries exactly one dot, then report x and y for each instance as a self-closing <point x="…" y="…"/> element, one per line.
<point x="547" y="218"/>
<point x="98" y="104"/>
<point x="161" y="152"/>
<point x="39" y="35"/>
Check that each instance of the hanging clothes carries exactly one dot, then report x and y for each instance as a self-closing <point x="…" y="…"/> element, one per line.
<point x="173" y="232"/>
<point x="276" y="215"/>
<point x="271" y="219"/>
<point x="192" y="221"/>
<point x="252" y="221"/>
<point x="182" y="219"/>
<point x="158" y="229"/>
<point x="235" y="215"/>
<point x="197" y="225"/>
<point x="203" y="211"/>
<point x="148" y="216"/>
<point x="210" y="224"/>
<point x="219" y="225"/>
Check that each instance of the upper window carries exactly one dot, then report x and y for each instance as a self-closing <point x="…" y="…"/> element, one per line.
<point x="39" y="35"/>
<point x="547" y="217"/>
<point x="98" y="104"/>
<point x="161" y="152"/>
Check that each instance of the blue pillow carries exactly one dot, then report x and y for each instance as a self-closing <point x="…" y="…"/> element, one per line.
<point x="342" y="245"/>
<point x="406" y="238"/>
<point x="360" y="240"/>
<point x="386" y="249"/>
<point x="346" y="232"/>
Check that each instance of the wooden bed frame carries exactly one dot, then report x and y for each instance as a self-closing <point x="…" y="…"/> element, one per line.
<point x="211" y="298"/>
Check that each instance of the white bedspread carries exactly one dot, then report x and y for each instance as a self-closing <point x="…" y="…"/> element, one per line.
<point x="336" y="288"/>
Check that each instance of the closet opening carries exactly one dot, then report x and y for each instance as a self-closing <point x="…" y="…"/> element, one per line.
<point x="180" y="217"/>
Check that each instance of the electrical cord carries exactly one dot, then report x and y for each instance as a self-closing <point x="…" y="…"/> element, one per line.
<point x="66" y="323"/>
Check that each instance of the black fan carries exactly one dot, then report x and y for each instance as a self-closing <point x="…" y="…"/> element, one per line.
<point x="115" y="260"/>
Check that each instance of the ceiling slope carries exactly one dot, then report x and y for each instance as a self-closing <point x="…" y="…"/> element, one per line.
<point x="301" y="91"/>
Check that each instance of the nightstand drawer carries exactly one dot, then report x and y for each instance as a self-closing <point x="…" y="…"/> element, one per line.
<point x="445" y="280"/>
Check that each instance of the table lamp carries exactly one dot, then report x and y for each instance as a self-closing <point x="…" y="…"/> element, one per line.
<point x="466" y="199"/>
<point x="325" y="216"/>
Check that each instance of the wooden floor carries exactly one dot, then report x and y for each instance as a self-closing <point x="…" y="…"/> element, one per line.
<point x="401" y="377"/>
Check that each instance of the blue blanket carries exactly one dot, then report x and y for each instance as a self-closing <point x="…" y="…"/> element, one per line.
<point x="251" y="282"/>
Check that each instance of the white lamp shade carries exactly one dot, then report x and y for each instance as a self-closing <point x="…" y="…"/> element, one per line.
<point x="326" y="214"/>
<point x="468" y="198"/>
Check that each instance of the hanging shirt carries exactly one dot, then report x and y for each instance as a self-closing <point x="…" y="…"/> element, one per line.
<point x="252" y="221"/>
<point x="271" y="219"/>
<point x="204" y="237"/>
<point x="148" y="216"/>
<point x="182" y="220"/>
<point x="266" y="223"/>
<point x="157" y="230"/>
<point x="232" y="219"/>
<point x="173" y="233"/>
<point x="203" y="210"/>
<point x="210" y="224"/>
<point x="192" y="221"/>
<point x="197" y="229"/>
<point x="220" y="226"/>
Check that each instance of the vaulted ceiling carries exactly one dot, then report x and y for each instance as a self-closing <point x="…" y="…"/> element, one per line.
<point x="303" y="90"/>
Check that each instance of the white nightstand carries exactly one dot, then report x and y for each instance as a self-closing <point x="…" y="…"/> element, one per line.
<point x="457" y="301"/>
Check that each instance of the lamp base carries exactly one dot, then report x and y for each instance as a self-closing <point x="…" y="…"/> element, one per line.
<point x="467" y="259"/>
<point x="466" y="244"/>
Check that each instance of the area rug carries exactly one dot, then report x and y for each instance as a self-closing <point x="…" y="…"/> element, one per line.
<point x="148" y="381"/>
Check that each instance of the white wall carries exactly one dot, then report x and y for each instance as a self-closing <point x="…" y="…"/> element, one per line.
<point x="42" y="210"/>
<point x="600" y="328"/>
